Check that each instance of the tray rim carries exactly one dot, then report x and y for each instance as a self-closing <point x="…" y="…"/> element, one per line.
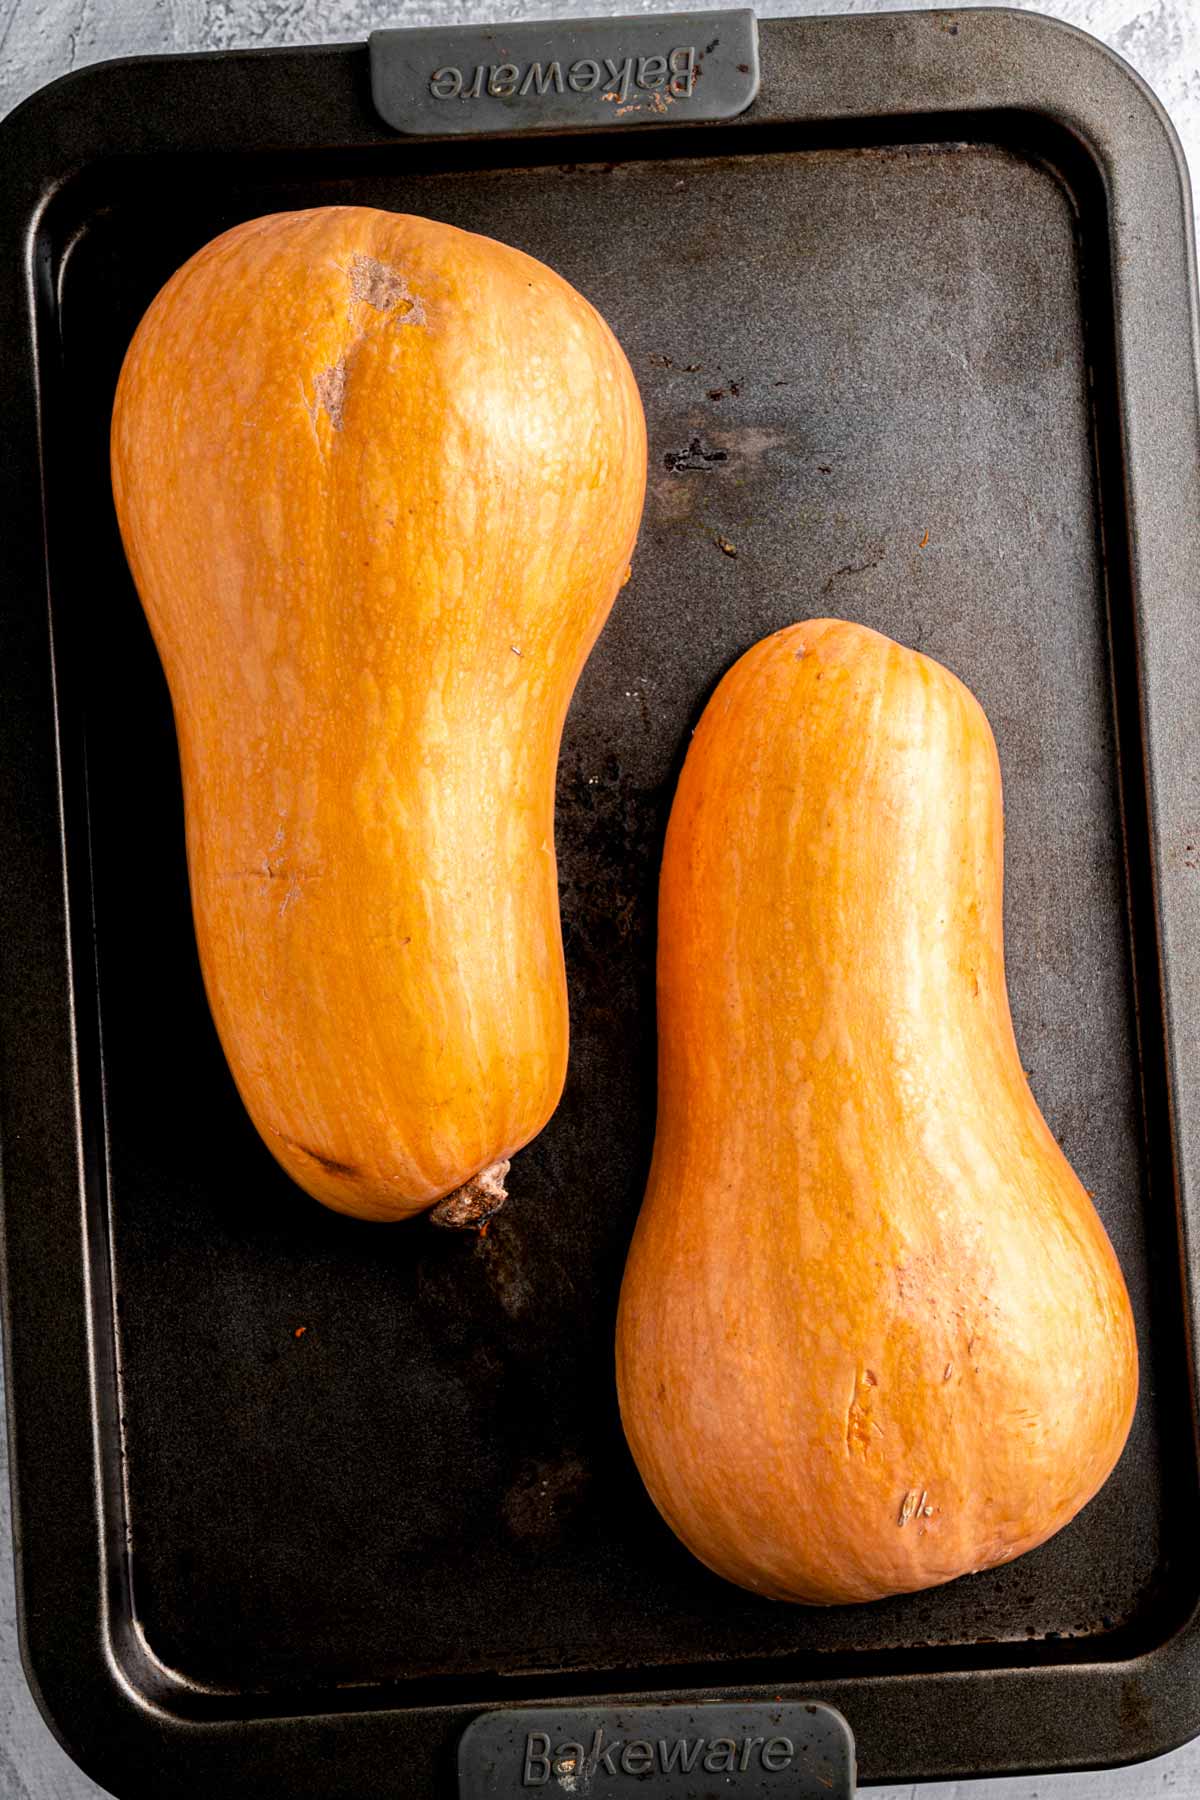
<point x="113" y="1708"/>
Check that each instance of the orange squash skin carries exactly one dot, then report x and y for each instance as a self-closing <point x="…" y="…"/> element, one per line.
<point x="378" y="481"/>
<point x="872" y="1335"/>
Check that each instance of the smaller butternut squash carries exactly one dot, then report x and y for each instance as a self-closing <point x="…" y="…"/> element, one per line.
<point x="872" y="1335"/>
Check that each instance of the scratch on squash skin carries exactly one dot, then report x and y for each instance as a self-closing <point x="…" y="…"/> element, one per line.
<point x="914" y="1501"/>
<point x="269" y="871"/>
<point x="859" y="1422"/>
<point x="328" y="1163"/>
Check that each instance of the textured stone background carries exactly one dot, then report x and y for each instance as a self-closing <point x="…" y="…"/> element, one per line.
<point x="40" y="39"/>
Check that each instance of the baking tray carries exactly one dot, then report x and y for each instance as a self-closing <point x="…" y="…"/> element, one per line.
<point x="296" y="1498"/>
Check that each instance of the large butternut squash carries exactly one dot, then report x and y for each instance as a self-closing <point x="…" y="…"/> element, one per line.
<point x="872" y="1335"/>
<point x="378" y="481"/>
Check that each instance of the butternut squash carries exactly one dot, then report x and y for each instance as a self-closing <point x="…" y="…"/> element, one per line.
<point x="378" y="481"/>
<point x="872" y="1335"/>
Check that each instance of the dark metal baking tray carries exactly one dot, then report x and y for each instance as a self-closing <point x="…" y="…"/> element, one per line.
<point x="917" y="341"/>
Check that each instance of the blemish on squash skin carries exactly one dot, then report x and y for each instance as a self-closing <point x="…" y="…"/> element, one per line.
<point x="385" y="289"/>
<point x="329" y="393"/>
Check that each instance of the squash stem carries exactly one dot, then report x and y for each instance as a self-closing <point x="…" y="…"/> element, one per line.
<point x="475" y="1201"/>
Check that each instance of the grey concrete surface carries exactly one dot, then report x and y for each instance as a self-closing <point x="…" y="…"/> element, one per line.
<point x="40" y="39"/>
